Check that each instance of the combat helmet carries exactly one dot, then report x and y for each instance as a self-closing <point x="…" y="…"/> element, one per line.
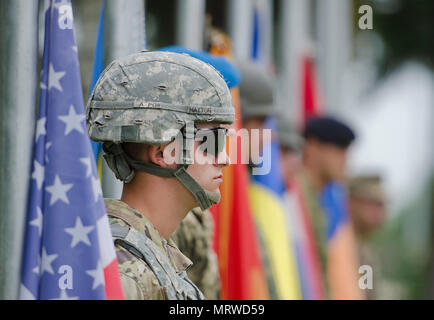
<point x="256" y="91"/>
<point x="149" y="97"/>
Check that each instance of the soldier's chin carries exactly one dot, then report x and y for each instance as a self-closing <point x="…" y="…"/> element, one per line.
<point x="215" y="189"/>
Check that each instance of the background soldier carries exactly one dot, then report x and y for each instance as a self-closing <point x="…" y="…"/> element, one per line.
<point x="367" y="211"/>
<point x="194" y="238"/>
<point x="256" y="100"/>
<point x="257" y="103"/>
<point x="322" y="197"/>
<point x="290" y="143"/>
<point x="138" y="107"/>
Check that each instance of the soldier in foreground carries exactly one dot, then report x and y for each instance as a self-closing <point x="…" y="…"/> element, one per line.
<point x="139" y="107"/>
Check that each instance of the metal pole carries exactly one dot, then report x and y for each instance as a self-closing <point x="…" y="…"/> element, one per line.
<point x="294" y="42"/>
<point x="190" y="23"/>
<point x="18" y="82"/>
<point x="266" y="7"/>
<point x="334" y="37"/>
<point x="124" y="34"/>
<point x="240" y="20"/>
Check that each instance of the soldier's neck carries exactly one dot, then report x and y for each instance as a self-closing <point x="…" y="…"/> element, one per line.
<point x="314" y="177"/>
<point x="164" y="202"/>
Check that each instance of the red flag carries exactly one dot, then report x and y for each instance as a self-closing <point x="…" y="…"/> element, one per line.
<point x="235" y="239"/>
<point x="311" y="103"/>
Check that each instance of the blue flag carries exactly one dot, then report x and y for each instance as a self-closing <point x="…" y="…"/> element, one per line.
<point x="68" y="247"/>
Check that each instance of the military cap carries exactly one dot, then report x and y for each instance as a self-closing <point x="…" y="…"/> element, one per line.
<point x="256" y="91"/>
<point x="286" y="135"/>
<point x="329" y="130"/>
<point x="368" y="187"/>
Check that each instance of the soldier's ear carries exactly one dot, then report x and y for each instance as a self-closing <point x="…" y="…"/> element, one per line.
<point x="156" y="156"/>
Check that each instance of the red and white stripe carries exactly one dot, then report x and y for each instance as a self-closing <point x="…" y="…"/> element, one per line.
<point x="113" y="287"/>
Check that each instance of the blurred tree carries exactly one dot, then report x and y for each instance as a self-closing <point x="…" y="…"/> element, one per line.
<point x="405" y="247"/>
<point x="406" y="28"/>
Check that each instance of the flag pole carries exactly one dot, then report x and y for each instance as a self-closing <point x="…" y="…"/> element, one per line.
<point x="293" y="42"/>
<point x="334" y="29"/>
<point x="124" y="33"/>
<point x="240" y="23"/>
<point x="18" y="81"/>
<point x="190" y="23"/>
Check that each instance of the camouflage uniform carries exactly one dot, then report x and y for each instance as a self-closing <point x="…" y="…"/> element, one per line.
<point x="368" y="188"/>
<point x="194" y="238"/>
<point x="138" y="279"/>
<point x="150" y="98"/>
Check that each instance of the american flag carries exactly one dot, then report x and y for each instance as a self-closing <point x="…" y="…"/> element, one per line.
<point x="68" y="253"/>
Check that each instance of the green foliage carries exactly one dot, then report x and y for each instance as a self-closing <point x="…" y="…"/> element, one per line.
<point x="407" y="30"/>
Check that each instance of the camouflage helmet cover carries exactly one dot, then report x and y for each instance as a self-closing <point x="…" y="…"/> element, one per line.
<point x="140" y="97"/>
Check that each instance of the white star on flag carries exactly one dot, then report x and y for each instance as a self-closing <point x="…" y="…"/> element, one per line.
<point x="38" y="221"/>
<point x="97" y="275"/>
<point x="47" y="260"/>
<point x="38" y="174"/>
<point x="88" y="164"/>
<point x="96" y="187"/>
<point x="54" y="78"/>
<point x="40" y="128"/>
<point x="37" y="268"/>
<point x="79" y="233"/>
<point x="58" y="191"/>
<point x="73" y="121"/>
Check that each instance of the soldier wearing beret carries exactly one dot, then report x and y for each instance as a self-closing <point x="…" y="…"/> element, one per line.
<point x="325" y="147"/>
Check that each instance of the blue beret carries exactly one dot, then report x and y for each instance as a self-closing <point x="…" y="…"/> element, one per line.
<point x="229" y="72"/>
<point x="329" y="130"/>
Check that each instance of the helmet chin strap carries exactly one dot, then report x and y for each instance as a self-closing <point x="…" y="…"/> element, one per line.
<point x="204" y="198"/>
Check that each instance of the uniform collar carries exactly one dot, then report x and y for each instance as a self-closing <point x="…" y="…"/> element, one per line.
<point x="134" y="219"/>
